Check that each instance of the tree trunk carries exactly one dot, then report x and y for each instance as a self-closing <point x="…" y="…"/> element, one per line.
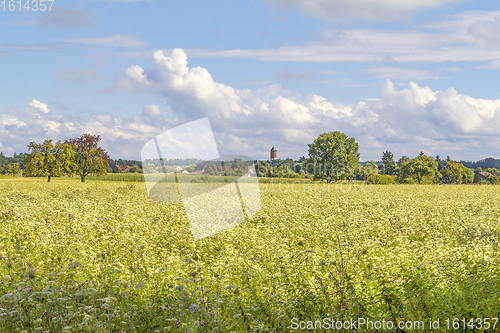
<point x="83" y="179"/>
<point x="48" y="180"/>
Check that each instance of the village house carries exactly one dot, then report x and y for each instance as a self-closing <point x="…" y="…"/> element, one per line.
<point x="125" y="168"/>
<point x="480" y="175"/>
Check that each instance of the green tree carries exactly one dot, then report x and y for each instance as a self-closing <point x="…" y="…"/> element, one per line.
<point x="333" y="156"/>
<point x="13" y="169"/>
<point x="263" y="169"/>
<point x="238" y="164"/>
<point x="478" y="170"/>
<point x="453" y="173"/>
<point x="211" y="169"/>
<point x="116" y="169"/>
<point x="421" y="167"/>
<point x="135" y="168"/>
<point x="237" y="172"/>
<point x="390" y="167"/>
<point x="489" y="179"/>
<point x="191" y="168"/>
<point x="90" y="158"/>
<point x="467" y="175"/>
<point x="403" y="172"/>
<point x="369" y="170"/>
<point x="49" y="160"/>
<point x="493" y="171"/>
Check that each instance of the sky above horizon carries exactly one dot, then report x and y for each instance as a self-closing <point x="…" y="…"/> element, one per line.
<point x="404" y="76"/>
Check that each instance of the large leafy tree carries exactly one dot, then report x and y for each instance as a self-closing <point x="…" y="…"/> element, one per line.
<point x="453" y="173"/>
<point x="90" y="158"/>
<point x="421" y="167"/>
<point x="333" y="156"/>
<point x="49" y="160"/>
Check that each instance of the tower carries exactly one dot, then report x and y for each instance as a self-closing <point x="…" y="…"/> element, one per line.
<point x="274" y="153"/>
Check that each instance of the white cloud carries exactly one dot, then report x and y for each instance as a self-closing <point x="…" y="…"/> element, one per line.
<point x="115" y="41"/>
<point x="469" y="36"/>
<point x="494" y="64"/>
<point x="37" y="105"/>
<point x="381" y="10"/>
<point x="249" y="122"/>
<point x="414" y="115"/>
<point x="402" y="74"/>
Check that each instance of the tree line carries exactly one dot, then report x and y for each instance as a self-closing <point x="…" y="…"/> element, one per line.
<point x="332" y="156"/>
<point x="81" y="156"/>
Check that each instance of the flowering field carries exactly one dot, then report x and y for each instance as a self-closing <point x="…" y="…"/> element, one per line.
<point x="103" y="257"/>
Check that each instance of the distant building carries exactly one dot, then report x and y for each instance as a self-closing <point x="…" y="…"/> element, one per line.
<point x="223" y="170"/>
<point x="480" y="175"/>
<point x="274" y="153"/>
<point x="125" y="168"/>
<point x="200" y="168"/>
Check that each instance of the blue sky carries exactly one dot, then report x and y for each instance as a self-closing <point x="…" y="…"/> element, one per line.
<point x="405" y="76"/>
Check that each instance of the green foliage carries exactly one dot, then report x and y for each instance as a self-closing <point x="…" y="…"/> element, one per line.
<point x="201" y="179"/>
<point x="467" y="175"/>
<point x="211" y="170"/>
<point x="420" y="167"/>
<point x="389" y="166"/>
<point x="116" y="169"/>
<point x="13" y="169"/>
<point x="191" y="168"/>
<point x="333" y="156"/>
<point x="237" y="172"/>
<point x="381" y="179"/>
<point x="89" y="158"/>
<point x="453" y="173"/>
<point x="489" y="179"/>
<point x="49" y="160"/>
<point x="493" y="171"/>
<point x="135" y="169"/>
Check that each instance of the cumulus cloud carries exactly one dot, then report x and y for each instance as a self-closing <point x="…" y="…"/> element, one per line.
<point x="64" y="17"/>
<point x="381" y="10"/>
<point x="122" y="137"/>
<point x="416" y="115"/>
<point x="404" y="121"/>
<point x="38" y="106"/>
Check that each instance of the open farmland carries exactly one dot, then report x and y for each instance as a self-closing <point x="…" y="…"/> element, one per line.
<point x="103" y="257"/>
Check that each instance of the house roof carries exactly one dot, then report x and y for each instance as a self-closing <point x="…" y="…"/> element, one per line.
<point x="224" y="168"/>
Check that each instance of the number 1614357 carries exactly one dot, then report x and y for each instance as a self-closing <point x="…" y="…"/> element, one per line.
<point x="26" y="5"/>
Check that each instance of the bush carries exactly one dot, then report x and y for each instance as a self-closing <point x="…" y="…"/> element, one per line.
<point x="201" y="179"/>
<point x="489" y="180"/>
<point x="381" y="179"/>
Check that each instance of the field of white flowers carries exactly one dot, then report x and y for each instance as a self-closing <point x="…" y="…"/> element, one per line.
<point x="103" y="257"/>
